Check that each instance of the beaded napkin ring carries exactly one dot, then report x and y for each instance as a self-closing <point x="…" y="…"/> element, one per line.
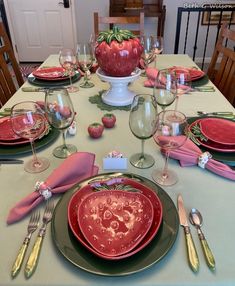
<point x="43" y="190"/>
<point x="203" y="159"/>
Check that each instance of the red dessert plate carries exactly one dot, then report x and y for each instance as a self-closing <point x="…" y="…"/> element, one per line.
<point x="115" y="222"/>
<point x="81" y="195"/>
<point x="211" y="144"/>
<point x="194" y="73"/>
<point x="218" y="130"/>
<point x="54" y="73"/>
<point x="8" y="137"/>
<point x="6" y="132"/>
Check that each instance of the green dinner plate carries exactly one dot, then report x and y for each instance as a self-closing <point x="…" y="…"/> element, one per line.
<point x="225" y="157"/>
<point x="200" y="82"/>
<point x="45" y="83"/>
<point x="78" y="255"/>
<point x="26" y="148"/>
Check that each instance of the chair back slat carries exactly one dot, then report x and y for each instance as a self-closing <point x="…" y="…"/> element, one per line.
<point x="10" y="74"/>
<point x="221" y="70"/>
<point x="127" y="20"/>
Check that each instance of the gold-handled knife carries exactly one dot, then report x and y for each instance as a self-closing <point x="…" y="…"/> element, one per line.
<point x="192" y="253"/>
<point x="33" y="89"/>
<point x="32" y="262"/>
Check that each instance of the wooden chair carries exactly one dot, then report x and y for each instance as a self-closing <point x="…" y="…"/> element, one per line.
<point x="9" y="68"/>
<point x="127" y="20"/>
<point x="221" y="70"/>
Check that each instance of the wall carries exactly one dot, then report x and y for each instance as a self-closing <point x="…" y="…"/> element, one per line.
<point x="170" y="29"/>
<point x="86" y="8"/>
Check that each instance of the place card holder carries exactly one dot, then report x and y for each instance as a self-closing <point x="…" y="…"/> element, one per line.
<point x="115" y="161"/>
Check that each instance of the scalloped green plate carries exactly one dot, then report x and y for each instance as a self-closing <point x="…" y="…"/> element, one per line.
<point x="26" y="148"/>
<point x="72" y="250"/>
<point x="45" y="83"/>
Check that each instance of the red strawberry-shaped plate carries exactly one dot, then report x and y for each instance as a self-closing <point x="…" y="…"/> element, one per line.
<point x="7" y="135"/>
<point x="6" y="131"/>
<point x="212" y="144"/>
<point x="53" y="73"/>
<point x="194" y="73"/>
<point x="218" y="130"/>
<point x="115" y="222"/>
<point x="82" y="193"/>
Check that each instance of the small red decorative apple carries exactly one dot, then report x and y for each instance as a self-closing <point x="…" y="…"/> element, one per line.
<point x="109" y="120"/>
<point x="95" y="130"/>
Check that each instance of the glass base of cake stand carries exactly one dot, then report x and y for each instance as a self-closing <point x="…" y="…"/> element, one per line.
<point x="118" y="94"/>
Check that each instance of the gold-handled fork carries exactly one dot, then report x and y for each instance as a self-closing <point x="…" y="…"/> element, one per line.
<point x="32" y="226"/>
<point x="32" y="262"/>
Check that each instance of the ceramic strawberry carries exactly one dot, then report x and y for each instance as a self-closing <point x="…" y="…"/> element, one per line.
<point x="95" y="130"/>
<point x="118" y="52"/>
<point x="109" y="120"/>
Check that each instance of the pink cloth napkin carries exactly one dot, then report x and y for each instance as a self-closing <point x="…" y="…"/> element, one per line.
<point x="74" y="169"/>
<point x="152" y="73"/>
<point x="188" y="155"/>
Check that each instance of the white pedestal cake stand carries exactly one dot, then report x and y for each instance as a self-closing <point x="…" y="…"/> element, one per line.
<point x="118" y="94"/>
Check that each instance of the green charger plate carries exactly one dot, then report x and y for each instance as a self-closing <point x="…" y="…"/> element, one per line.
<point x="225" y="157"/>
<point x="45" y="83"/>
<point x="200" y="82"/>
<point x="78" y="255"/>
<point x="26" y="148"/>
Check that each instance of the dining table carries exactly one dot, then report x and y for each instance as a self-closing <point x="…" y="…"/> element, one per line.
<point x="71" y="265"/>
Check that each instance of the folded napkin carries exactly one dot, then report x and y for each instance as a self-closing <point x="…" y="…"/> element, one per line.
<point x="189" y="155"/>
<point x="74" y="169"/>
<point x="152" y="74"/>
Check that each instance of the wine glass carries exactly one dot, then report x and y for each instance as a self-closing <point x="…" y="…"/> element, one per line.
<point x="92" y="42"/>
<point x="183" y="83"/>
<point x="85" y="61"/>
<point x="147" y="55"/>
<point x="165" y="88"/>
<point x="142" y="120"/>
<point x="60" y="114"/>
<point x="157" y="47"/>
<point x="68" y="61"/>
<point x="171" y="133"/>
<point x="28" y="121"/>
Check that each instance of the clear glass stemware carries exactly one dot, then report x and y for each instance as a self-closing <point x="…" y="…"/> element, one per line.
<point x="142" y="124"/>
<point x="165" y="88"/>
<point x="85" y="61"/>
<point x="28" y="121"/>
<point x="157" y="47"/>
<point x="60" y="114"/>
<point x="171" y="133"/>
<point x="184" y="84"/>
<point x="147" y="55"/>
<point x="68" y="61"/>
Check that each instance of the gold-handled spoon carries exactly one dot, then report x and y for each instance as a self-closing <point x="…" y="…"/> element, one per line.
<point x="195" y="218"/>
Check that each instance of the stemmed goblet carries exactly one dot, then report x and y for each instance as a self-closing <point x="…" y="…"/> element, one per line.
<point x="165" y="88"/>
<point x="171" y="133"/>
<point x="157" y="47"/>
<point x="92" y="42"/>
<point x="147" y="55"/>
<point x="85" y="61"/>
<point x="28" y="121"/>
<point x="60" y="114"/>
<point x="68" y="61"/>
<point x="142" y="122"/>
<point x="183" y="84"/>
